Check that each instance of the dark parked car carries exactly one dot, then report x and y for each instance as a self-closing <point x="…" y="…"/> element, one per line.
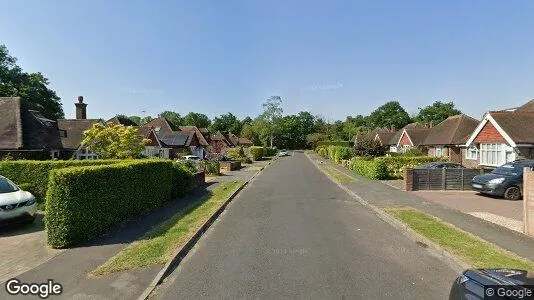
<point x="505" y="181"/>
<point x="477" y="284"/>
<point x="440" y="165"/>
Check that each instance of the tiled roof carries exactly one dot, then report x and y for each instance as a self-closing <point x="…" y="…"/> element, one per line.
<point x="395" y="139"/>
<point x="455" y="130"/>
<point x="245" y="142"/>
<point x="418" y="135"/>
<point x="122" y="120"/>
<point x="144" y="131"/>
<point x="10" y="123"/>
<point x="176" y="138"/>
<point x="518" y="125"/>
<point x="201" y="138"/>
<point x="385" y="137"/>
<point x="218" y="136"/>
<point x="73" y="129"/>
<point x="162" y="125"/>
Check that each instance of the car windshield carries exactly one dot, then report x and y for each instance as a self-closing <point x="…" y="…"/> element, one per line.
<point x="7" y="186"/>
<point x="509" y="169"/>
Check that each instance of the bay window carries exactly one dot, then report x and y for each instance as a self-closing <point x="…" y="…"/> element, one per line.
<point x="496" y="154"/>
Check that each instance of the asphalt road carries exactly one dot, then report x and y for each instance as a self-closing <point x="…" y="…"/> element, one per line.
<point x="292" y="233"/>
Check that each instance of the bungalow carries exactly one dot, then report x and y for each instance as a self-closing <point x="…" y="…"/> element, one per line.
<point x="26" y="133"/>
<point x="203" y="136"/>
<point x="218" y="142"/>
<point x="448" y="138"/>
<point x="411" y="136"/>
<point x="503" y="136"/>
<point x="384" y="138"/>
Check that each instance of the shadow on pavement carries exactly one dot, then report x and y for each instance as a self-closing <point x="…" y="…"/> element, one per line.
<point x="23" y="228"/>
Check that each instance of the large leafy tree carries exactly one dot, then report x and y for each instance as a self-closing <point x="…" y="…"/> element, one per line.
<point x="389" y="115"/>
<point x="249" y="133"/>
<point x="32" y="88"/>
<point x="196" y="119"/>
<point x="436" y="113"/>
<point x="136" y="119"/>
<point x="226" y="122"/>
<point x="173" y="117"/>
<point x="114" y="141"/>
<point x="272" y="113"/>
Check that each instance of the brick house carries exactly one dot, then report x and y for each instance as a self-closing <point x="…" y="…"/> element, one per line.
<point x="411" y="136"/>
<point x="218" y="143"/>
<point x="503" y="136"/>
<point x="203" y="136"/>
<point x="169" y="141"/>
<point x="448" y="138"/>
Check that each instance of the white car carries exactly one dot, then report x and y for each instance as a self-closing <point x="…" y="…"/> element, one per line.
<point x="283" y="153"/>
<point x="16" y="205"/>
<point x="192" y="157"/>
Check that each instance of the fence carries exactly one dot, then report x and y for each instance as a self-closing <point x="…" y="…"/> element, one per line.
<point x="528" y="202"/>
<point x="439" y="179"/>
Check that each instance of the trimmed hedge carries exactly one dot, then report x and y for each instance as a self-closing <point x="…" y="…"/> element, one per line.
<point x="182" y="178"/>
<point x="83" y="202"/>
<point x="211" y="167"/>
<point x="34" y="174"/>
<point x="256" y="152"/>
<point x="268" y="151"/>
<point x="397" y="164"/>
<point x="339" y="153"/>
<point x="335" y="143"/>
<point x="370" y="168"/>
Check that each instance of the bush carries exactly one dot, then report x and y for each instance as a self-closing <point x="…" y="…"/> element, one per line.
<point x="372" y="169"/>
<point x="211" y="167"/>
<point x="36" y="173"/>
<point x="335" y="143"/>
<point x="182" y="178"/>
<point x="397" y="164"/>
<point x="369" y="147"/>
<point x="413" y="152"/>
<point x="256" y="152"/>
<point x="339" y="153"/>
<point x="322" y="151"/>
<point x="83" y="202"/>
<point x="268" y="151"/>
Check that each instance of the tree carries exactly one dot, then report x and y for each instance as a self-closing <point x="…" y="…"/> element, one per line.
<point x="145" y="120"/>
<point x="436" y="113"/>
<point x="315" y="137"/>
<point x="136" y="119"/>
<point x="249" y="133"/>
<point x="196" y="119"/>
<point x="32" y="88"/>
<point x="114" y="141"/>
<point x="272" y="113"/>
<point x="172" y="117"/>
<point x="226" y="122"/>
<point x="389" y="115"/>
<point x="246" y="120"/>
<point x="368" y="146"/>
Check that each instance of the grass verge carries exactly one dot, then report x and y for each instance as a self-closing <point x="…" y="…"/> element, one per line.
<point x="339" y="176"/>
<point x="157" y="245"/>
<point x="476" y="252"/>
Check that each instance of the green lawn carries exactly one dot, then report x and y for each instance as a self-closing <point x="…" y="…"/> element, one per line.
<point x="478" y="253"/>
<point x="339" y="176"/>
<point x="160" y="243"/>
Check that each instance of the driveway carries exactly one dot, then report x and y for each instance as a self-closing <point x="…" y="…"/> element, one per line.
<point x="23" y="247"/>
<point x="503" y="212"/>
<point x="292" y="233"/>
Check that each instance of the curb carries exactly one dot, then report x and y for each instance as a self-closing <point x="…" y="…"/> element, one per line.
<point x="451" y="260"/>
<point x="181" y="252"/>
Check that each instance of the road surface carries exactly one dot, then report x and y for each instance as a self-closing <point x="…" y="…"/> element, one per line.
<point x="292" y="233"/>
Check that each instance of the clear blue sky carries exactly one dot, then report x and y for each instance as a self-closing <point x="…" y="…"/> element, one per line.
<point x="333" y="58"/>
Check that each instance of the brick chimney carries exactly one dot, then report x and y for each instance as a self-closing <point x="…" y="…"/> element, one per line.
<point x="81" y="109"/>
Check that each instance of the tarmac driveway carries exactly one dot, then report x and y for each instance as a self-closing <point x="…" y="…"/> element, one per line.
<point x="500" y="211"/>
<point x="23" y="247"/>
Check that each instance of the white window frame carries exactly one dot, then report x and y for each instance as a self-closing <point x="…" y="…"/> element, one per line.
<point x="493" y="154"/>
<point x="54" y="154"/>
<point x="438" y="151"/>
<point x="471" y="153"/>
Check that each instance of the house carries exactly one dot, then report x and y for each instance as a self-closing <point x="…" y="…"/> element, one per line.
<point x="122" y="121"/>
<point x="26" y="133"/>
<point x="203" y="137"/>
<point x="384" y="138"/>
<point x="448" y="138"/>
<point x="411" y="136"/>
<point x="71" y="133"/>
<point x="218" y="143"/>
<point x="503" y="136"/>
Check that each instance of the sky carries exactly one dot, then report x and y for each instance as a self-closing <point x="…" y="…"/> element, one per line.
<point x="332" y="58"/>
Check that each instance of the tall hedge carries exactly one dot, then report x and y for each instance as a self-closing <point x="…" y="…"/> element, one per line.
<point x="338" y="153"/>
<point x="397" y="164"/>
<point x="268" y="151"/>
<point x="370" y="168"/>
<point x="256" y="152"/>
<point x="182" y="179"/>
<point x="34" y="174"/>
<point x="83" y="202"/>
<point x="335" y="143"/>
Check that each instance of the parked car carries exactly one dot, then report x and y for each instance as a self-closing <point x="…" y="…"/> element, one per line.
<point x="474" y="284"/>
<point x="16" y="205"/>
<point x="192" y="157"/>
<point x="505" y="181"/>
<point x="283" y="153"/>
<point x="440" y="165"/>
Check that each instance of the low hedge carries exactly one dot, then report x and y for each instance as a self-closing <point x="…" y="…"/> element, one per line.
<point x="83" y="202"/>
<point x="256" y="152"/>
<point x="339" y="153"/>
<point x="397" y="164"/>
<point x="34" y="174"/>
<point x="211" y="167"/>
<point x="335" y="143"/>
<point x="322" y="151"/>
<point x="370" y="168"/>
<point x="268" y="151"/>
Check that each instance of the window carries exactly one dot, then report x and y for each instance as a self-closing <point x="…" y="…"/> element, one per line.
<point x="54" y="154"/>
<point x="496" y="154"/>
<point x="472" y="153"/>
<point x="439" y="151"/>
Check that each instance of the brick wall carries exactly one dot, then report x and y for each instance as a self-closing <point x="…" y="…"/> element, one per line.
<point x="528" y="202"/>
<point x="489" y="134"/>
<point x="468" y="163"/>
<point x="405" y="140"/>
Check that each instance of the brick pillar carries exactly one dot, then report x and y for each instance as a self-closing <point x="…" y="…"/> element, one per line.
<point x="528" y="201"/>
<point x="408" y="179"/>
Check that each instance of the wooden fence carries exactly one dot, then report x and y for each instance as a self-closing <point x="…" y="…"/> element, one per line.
<point x="439" y="179"/>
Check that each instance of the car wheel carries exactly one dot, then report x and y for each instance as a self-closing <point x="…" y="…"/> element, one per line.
<point x="512" y="193"/>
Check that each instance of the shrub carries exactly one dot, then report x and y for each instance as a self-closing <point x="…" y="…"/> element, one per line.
<point x="211" y="167"/>
<point x="36" y="172"/>
<point x="339" y="153"/>
<point x="322" y="151"/>
<point x="268" y="151"/>
<point x="335" y="143"/>
<point x="256" y="152"/>
<point x="83" y="202"/>
<point x="413" y="152"/>
<point x="372" y="169"/>
<point x="397" y="164"/>
<point x="182" y="178"/>
<point x="369" y="147"/>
